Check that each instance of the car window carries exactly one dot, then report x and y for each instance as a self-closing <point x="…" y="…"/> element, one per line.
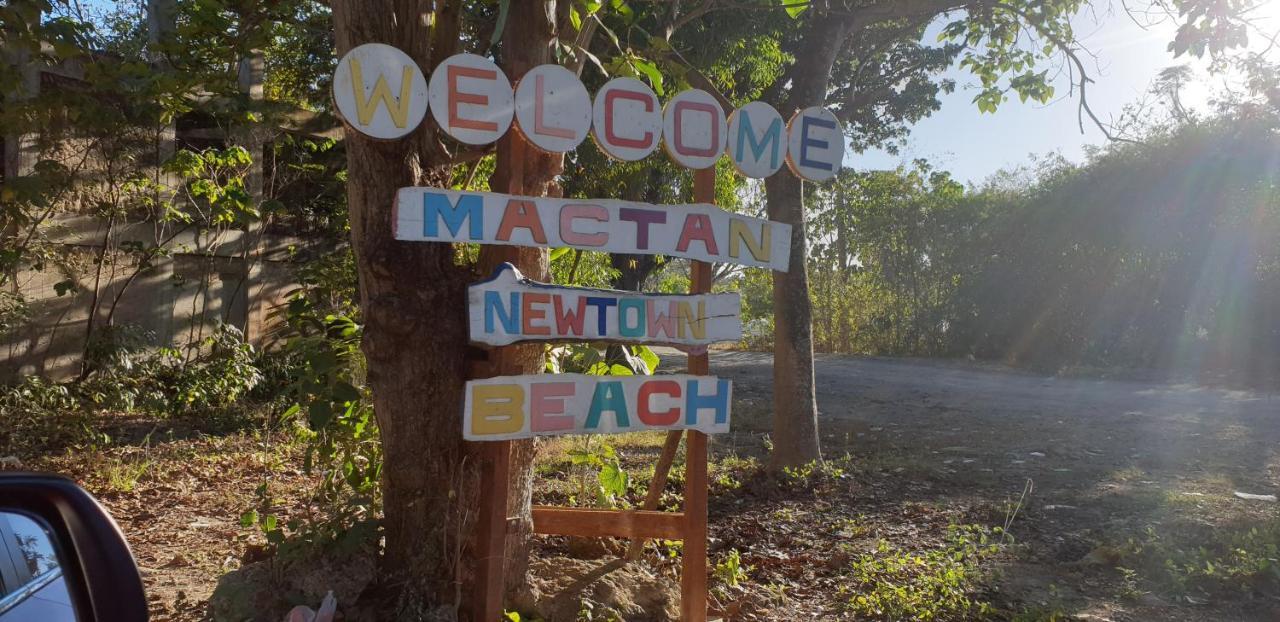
<point x="34" y="545"/>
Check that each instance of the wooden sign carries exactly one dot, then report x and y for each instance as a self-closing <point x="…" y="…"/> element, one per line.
<point x="700" y="231"/>
<point x="815" y="144"/>
<point x="508" y="308"/>
<point x="757" y="140"/>
<point x="626" y="120"/>
<point x="693" y="129"/>
<point x="553" y="109"/>
<point x="471" y="99"/>
<point x="513" y="407"/>
<point x="380" y="91"/>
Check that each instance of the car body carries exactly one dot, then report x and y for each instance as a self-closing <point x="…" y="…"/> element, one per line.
<point x="32" y="587"/>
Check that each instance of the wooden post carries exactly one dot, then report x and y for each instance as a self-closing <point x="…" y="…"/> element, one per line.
<point x="491" y="542"/>
<point x="693" y="574"/>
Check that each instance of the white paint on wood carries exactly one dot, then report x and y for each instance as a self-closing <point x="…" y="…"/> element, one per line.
<point x="553" y="108"/>
<point x="626" y="120"/>
<point x="380" y="91"/>
<point x="694" y="129"/>
<point x="514" y="407"/>
<point x="815" y="144"/>
<point x="509" y="308"/>
<point x="757" y="140"/>
<point x="700" y="231"/>
<point x="471" y="99"/>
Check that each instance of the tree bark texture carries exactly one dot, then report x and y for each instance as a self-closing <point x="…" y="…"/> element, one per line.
<point x="413" y="296"/>
<point x="795" y="403"/>
<point x="526" y="43"/>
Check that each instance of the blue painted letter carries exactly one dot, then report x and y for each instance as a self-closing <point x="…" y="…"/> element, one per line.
<point x="470" y="207"/>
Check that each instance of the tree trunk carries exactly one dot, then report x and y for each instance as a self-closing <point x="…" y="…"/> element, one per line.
<point x="526" y="43"/>
<point x="413" y="296"/>
<point x="795" y="404"/>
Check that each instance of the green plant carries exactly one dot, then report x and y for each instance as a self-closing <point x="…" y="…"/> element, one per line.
<point x="611" y="480"/>
<point x="934" y="584"/>
<point x="730" y="571"/>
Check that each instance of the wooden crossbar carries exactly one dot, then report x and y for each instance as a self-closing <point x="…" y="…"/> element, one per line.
<point x="560" y="521"/>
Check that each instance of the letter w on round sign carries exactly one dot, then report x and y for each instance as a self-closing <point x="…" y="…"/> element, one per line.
<point x="508" y="308"/>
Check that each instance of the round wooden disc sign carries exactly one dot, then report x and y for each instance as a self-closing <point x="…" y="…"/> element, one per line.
<point x="381" y="92"/>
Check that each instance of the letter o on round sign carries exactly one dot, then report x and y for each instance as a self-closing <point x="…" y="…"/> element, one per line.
<point x="815" y="144"/>
<point x="471" y="99"/>
<point x="757" y="140"/>
<point x="626" y="120"/>
<point x="380" y="91"/>
<point x="693" y="129"/>
<point x="553" y="109"/>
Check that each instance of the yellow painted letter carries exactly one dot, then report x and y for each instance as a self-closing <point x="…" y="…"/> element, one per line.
<point x="496" y="409"/>
<point x="739" y="232"/>
<point x="365" y="107"/>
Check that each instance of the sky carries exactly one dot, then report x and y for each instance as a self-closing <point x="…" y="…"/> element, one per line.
<point x="972" y="145"/>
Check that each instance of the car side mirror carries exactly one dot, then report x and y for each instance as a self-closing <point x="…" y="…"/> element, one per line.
<point x="62" y="557"/>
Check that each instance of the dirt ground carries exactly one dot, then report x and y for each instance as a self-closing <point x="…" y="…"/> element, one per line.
<point x="1105" y="460"/>
<point x="1116" y="495"/>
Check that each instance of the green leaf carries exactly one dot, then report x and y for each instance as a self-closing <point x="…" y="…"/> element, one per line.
<point x="557" y="253"/>
<point x="575" y="19"/>
<point x="249" y="519"/>
<point x="613" y="479"/>
<point x="795" y="7"/>
<point x="650" y="70"/>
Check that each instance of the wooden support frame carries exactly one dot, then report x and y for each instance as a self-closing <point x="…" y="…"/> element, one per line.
<point x="689" y="526"/>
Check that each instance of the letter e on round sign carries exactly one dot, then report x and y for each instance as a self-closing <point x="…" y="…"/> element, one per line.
<point x="471" y="99"/>
<point x="626" y="120"/>
<point x="553" y="109"/>
<point x="815" y="144"/>
<point x="380" y="91"/>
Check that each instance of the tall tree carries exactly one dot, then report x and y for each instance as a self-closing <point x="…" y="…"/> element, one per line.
<point x="413" y="297"/>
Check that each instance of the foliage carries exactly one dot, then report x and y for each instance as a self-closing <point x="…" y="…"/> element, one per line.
<point x="611" y="480"/>
<point x="1191" y="562"/>
<point x="933" y="584"/>
<point x="731" y="571"/>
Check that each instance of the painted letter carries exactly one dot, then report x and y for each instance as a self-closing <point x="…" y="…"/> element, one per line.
<point x="584" y="211"/>
<point x="397" y="108"/>
<point x="546" y="406"/>
<point x="698" y="227"/>
<point x="662" y="323"/>
<point x="521" y="215"/>
<point x="643" y="218"/>
<point x="539" y="124"/>
<point x="697" y="325"/>
<point x="602" y="316"/>
<point x="628" y="329"/>
<point x="772" y="135"/>
<point x="569" y="322"/>
<point x="509" y="316"/>
<point x="718" y="401"/>
<point x="740" y="232"/>
<point x="609" y="396"/>
<point x="702" y="152"/>
<point x="496" y="409"/>
<point x="470" y="208"/>
<point x="647" y="139"/>
<point x="805" y="141"/>
<point x="457" y="97"/>
<point x="530" y="314"/>
<point x="643" y="409"/>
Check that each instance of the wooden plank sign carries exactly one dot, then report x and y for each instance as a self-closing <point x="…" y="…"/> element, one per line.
<point x="509" y="308"/>
<point x="514" y="407"/>
<point x="700" y="231"/>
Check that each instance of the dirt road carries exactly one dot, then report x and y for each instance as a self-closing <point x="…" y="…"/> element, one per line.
<point x="1122" y="473"/>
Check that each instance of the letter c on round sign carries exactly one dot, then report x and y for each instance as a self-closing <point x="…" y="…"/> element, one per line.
<point x="626" y="120"/>
<point x="815" y="144"/>
<point x="553" y="108"/>
<point x="471" y="99"/>
<point x="380" y="91"/>
<point x="693" y="129"/>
